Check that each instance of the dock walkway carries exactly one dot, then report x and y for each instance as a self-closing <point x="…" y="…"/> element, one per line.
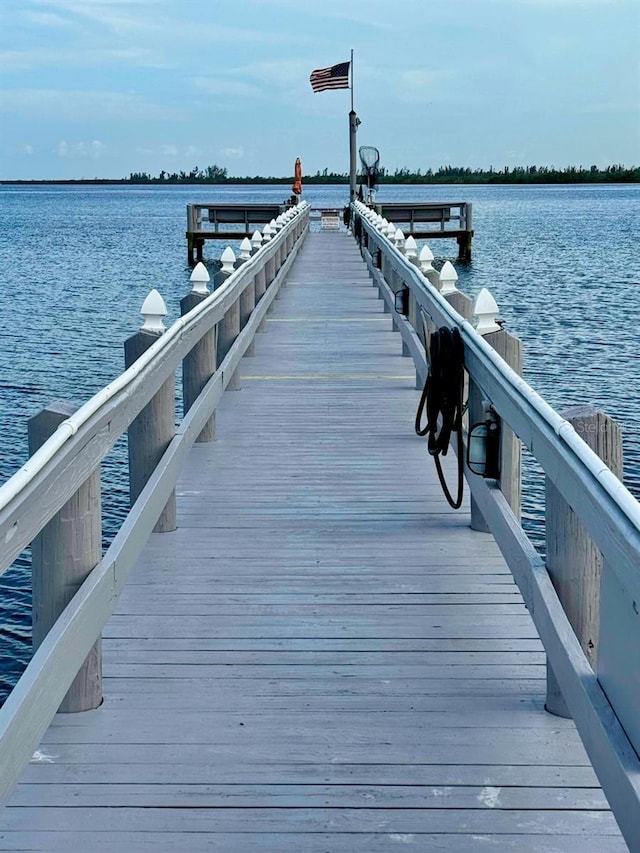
<point x="324" y="656"/>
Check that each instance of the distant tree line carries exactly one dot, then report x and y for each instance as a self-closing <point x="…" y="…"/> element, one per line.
<point x="444" y="175"/>
<point x="211" y="175"/>
<point x="515" y="175"/>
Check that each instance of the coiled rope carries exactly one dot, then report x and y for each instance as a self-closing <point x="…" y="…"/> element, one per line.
<point x="441" y="401"/>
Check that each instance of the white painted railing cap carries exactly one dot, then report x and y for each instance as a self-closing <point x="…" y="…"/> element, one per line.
<point x="485" y="308"/>
<point x="228" y="259"/>
<point x="256" y="239"/>
<point x="200" y="277"/>
<point x="245" y="249"/>
<point x="399" y="235"/>
<point x="266" y="233"/>
<point x="153" y="310"/>
<point x="391" y="230"/>
<point x="426" y="256"/>
<point x="273" y="224"/>
<point x="411" y="247"/>
<point x="448" y="278"/>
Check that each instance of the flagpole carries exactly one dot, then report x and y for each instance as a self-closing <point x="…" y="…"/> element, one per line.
<point x="353" y="128"/>
<point x="351" y="79"/>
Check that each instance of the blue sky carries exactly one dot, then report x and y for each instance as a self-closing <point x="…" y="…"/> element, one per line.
<point x="106" y="87"/>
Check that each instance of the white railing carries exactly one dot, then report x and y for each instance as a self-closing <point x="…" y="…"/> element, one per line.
<point x="602" y="696"/>
<point x="33" y="499"/>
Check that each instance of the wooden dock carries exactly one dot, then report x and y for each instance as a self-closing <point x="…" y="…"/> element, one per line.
<point x="323" y="656"/>
<point x="433" y="221"/>
<point x="214" y="221"/>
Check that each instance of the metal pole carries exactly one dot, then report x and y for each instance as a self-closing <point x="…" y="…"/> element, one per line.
<point x="353" y="129"/>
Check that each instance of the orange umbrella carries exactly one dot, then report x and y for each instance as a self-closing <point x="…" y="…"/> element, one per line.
<point x="297" y="178"/>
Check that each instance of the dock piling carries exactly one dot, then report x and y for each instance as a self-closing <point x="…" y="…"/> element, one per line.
<point x="63" y="554"/>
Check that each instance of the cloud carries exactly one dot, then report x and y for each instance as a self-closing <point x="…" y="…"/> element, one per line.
<point x="276" y="72"/>
<point x="34" y="58"/>
<point x="143" y="18"/>
<point x="233" y="153"/>
<point x="120" y="16"/>
<point x="423" y="85"/>
<point x="227" y="87"/>
<point x="47" y="19"/>
<point x="82" y="105"/>
<point x="373" y="14"/>
<point x="28" y="149"/>
<point x="93" y="149"/>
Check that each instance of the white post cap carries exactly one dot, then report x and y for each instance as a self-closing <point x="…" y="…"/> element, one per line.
<point x="274" y="226"/>
<point x="391" y="230"/>
<point x="228" y="259"/>
<point x="398" y="238"/>
<point x="266" y="233"/>
<point x="200" y="277"/>
<point x="256" y="240"/>
<point x="411" y="248"/>
<point x="426" y="256"/>
<point x="448" y="278"/>
<point x="245" y="249"/>
<point x="153" y="310"/>
<point x="485" y="308"/>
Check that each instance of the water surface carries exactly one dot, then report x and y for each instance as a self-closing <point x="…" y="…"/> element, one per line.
<point x="77" y="262"/>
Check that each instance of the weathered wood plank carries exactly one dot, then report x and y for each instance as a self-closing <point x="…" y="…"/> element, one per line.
<point x="43" y="773"/>
<point x="310" y="796"/>
<point x="576" y="823"/>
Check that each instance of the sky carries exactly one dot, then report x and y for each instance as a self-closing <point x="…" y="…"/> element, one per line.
<point x="103" y="88"/>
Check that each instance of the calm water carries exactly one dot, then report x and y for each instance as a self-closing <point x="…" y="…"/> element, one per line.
<point x="77" y="262"/>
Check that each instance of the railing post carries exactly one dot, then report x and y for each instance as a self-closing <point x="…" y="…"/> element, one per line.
<point x="476" y="410"/>
<point x="229" y="326"/>
<point x="153" y="429"/>
<point x="425" y="260"/>
<point x="411" y="254"/>
<point x="573" y="561"/>
<point x="63" y="554"/>
<point x="199" y="365"/>
<point x="509" y="347"/>
<point x="247" y="297"/>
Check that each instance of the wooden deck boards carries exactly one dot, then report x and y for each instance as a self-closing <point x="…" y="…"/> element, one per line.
<point x="324" y="656"/>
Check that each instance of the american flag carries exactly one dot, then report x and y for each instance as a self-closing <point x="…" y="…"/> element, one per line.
<point x="336" y="77"/>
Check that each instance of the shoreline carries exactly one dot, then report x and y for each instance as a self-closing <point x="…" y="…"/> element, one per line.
<point x="308" y="182"/>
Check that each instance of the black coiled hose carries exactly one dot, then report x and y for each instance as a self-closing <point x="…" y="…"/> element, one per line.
<point x="442" y="402"/>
